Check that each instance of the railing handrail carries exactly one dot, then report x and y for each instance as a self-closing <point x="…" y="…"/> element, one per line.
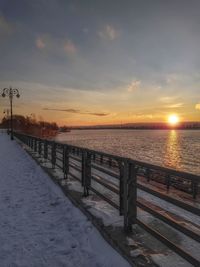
<point x="126" y="189"/>
<point x="182" y="174"/>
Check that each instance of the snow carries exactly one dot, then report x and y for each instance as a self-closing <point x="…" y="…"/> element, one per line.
<point x="39" y="226"/>
<point x="162" y="255"/>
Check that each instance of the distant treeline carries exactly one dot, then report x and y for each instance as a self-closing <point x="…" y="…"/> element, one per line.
<point x="31" y="126"/>
<point x="143" y="126"/>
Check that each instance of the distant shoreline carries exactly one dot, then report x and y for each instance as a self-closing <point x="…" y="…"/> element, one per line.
<point x="141" y="126"/>
<point x="114" y="128"/>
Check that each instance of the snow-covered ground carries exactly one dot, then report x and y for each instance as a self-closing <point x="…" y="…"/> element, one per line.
<point x="160" y="254"/>
<point x="39" y="226"/>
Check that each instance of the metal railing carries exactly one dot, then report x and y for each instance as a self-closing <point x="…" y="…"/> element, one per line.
<point x="117" y="181"/>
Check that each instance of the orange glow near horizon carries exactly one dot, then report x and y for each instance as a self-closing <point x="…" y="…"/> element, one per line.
<point x="173" y="119"/>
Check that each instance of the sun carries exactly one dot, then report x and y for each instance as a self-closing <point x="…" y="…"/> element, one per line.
<point x="173" y="119"/>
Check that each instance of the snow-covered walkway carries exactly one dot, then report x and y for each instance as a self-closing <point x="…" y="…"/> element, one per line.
<point x="38" y="225"/>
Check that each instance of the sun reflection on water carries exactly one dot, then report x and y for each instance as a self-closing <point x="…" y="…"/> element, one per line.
<point x="178" y="149"/>
<point x="172" y="155"/>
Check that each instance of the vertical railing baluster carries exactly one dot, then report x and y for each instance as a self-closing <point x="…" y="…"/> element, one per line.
<point x="101" y="159"/>
<point x="148" y="175"/>
<point x="167" y="181"/>
<point x="53" y="154"/>
<point x="65" y="161"/>
<point x="83" y="168"/>
<point x="45" y="149"/>
<point x="110" y="162"/>
<point x="32" y="143"/>
<point x="86" y="172"/>
<point x="194" y="185"/>
<point x="130" y="195"/>
<point x="121" y="188"/>
<point x="39" y="146"/>
<point x="35" y="144"/>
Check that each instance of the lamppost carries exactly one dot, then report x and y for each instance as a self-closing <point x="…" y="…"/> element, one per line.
<point x="11" y="92"/>
<point x="6" y="112"/>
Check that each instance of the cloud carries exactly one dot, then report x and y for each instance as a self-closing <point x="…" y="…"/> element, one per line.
<point x="177" y="105"/>
<point x="167" y="99"/>
<point x="172" y="78"/>
<point x="70" y="110"/>
<point x="40" y="43"/>
<point x="144" y="116"/>
<point x="108" y="33"/>
<point x="77" y="111"/>
<point x="70" y="48"/>
<point x="197" y="106"/>
<point x="134" y="86"/>
<point x="5" y="27"/>
<point x="55" y="45"/>
<point x="47" y="42"/>
<point x="98" y="114"/>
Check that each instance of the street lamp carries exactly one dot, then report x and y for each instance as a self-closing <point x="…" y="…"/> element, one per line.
<point x="6" y="112"/>
<point x="11" y="92"/>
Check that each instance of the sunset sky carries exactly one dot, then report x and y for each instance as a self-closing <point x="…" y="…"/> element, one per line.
<point x="100" y="62"/>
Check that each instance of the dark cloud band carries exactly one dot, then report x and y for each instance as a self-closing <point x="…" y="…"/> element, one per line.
<point x="77" y="111"/>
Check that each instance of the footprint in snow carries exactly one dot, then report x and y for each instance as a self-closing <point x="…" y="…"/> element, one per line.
<point x="54" y="204"/>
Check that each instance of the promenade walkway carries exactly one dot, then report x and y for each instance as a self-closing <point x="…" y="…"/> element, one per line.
<point x="39" y="226"/>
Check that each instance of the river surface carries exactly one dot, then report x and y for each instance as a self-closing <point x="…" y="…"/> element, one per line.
<point x="178" y="149"/>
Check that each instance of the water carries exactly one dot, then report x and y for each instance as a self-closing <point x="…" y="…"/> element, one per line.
<point x="178" y="149"/>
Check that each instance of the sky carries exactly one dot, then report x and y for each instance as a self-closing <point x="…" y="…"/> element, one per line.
<point x="101" y="62"/>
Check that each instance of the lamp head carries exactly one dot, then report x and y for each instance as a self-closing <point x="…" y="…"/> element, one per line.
<point x="3" y="94"/>
<point x="18" y="95"/>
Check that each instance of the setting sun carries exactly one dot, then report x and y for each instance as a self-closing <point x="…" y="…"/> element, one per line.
<point x="173" y="119"/>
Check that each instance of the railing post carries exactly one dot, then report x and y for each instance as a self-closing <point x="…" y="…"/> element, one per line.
<point x="31" y="143"/>
<point x="83" y="167"/>
<point x="35" y="144"/>
<point x="148" y="173"/>
<point x="101" y="160"/>
<point x="121" y="188"/>
<point x="167" y="181"/>
<point x="65" y="161"/>
<point x="194" y="189"/>
<point x="40" y="146"/>
<point x="45" y="149"/>
<point x="86" y="172"/>
<point x="130" y="195"/>
<point x="27" y="140"/>
<point x="53" y="154"/>
<point x="110" y="162"/>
